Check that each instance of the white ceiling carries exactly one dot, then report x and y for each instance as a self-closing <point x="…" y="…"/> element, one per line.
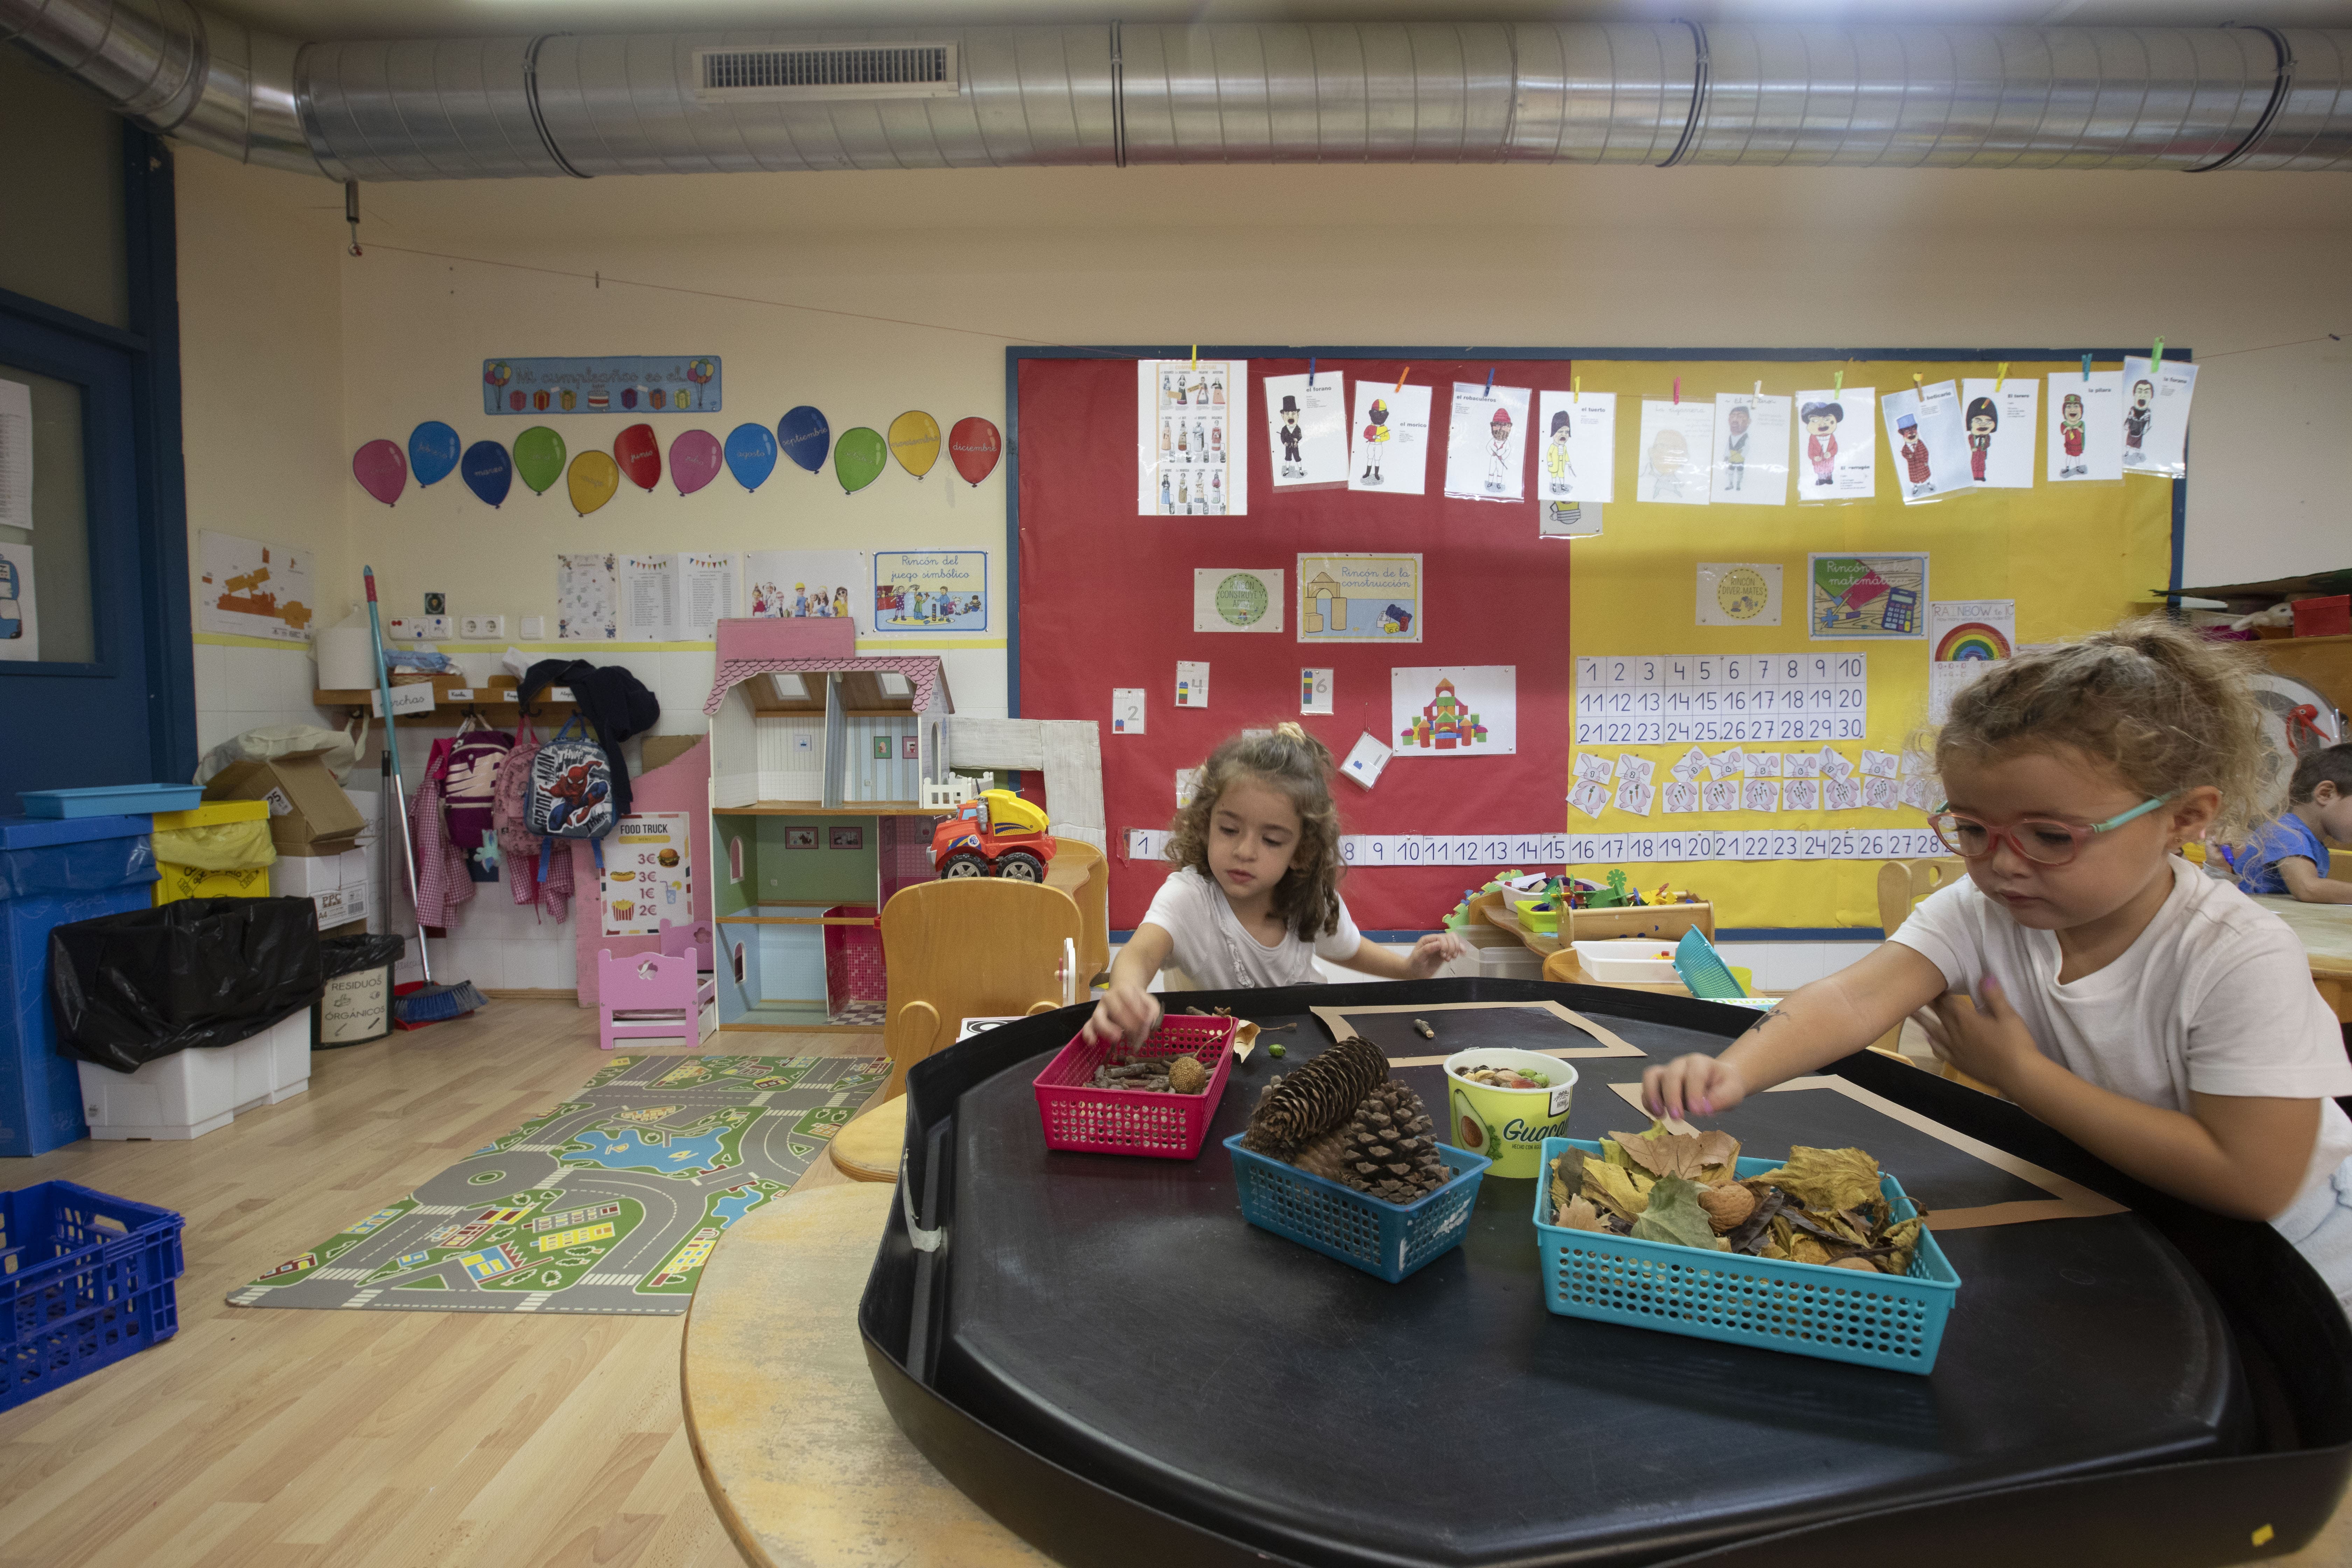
<point x="320" y="19"/>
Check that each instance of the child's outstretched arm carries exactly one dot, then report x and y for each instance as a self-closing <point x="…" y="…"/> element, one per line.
<point x="1429" y="956"/>
<point x="1128" y="1010"/>
<point x="2241" y="1156"/>
<point x="1811" y="1027"/>
<point x="2304" y="881"/>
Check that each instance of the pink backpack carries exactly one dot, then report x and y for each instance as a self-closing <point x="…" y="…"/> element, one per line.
<point x="510" y="796"/>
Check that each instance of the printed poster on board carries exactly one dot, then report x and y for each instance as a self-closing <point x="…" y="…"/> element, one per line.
<point x="1486" y="443"/>
<point x="1969" y="637"/>
<point x="1238" y="599"/>
<point x="1929" y="441"/>
<point x="250" y="588"/>
<point x="930" y="591"/>
<point x="1750" y="462"/>
<point x="1454" y="710"/>
<point x="1837" y="444"/>
<point x="1390" y="436"/>
<point x="20" y="619"/>
<point x="1359" y="598"/>
<point x="2001" y="413"/>
<point x="646" y="874"/>
<point x="1867" y="597"/>
<point x="1738" y="593"/>
<point x="1677" y="438"/>
<point x="1307" y="430"/>
<point x="1576" y="451"/>
<point x="587" y="595"/>
<point x="614" y="383"/>
<point x="2156" y="416"/>
<point x="2086" y="428"/>
<point x="806" y="585"/>
<point x="1191" y="437"/>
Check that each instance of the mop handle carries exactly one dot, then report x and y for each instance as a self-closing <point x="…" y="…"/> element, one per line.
<point x="399" y="801"/>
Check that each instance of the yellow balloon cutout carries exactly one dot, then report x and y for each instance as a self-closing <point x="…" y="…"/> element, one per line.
<point x="915" y="441"/>
<point x="594" y="478"/>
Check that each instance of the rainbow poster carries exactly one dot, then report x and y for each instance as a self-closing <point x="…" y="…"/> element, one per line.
<point x="1970" y="636"/>
<point x="1971" y="640"/>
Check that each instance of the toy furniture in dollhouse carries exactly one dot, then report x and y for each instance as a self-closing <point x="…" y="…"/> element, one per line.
<point x="654" y="997"/>
<point x="821" y="763"/>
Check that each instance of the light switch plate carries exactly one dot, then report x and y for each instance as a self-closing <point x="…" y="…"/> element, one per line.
<point x="534" y="628"/>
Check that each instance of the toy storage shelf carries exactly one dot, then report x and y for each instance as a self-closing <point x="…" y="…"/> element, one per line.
<point x="1662" y="920"/>
<point x="447" y="710"/>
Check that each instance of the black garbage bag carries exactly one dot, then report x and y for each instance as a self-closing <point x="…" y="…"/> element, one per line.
<point x="350" y="955"/>
<point x="199" y="973"/>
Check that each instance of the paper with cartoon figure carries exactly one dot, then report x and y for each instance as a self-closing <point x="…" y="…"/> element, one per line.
<point x="1929" y="441"/>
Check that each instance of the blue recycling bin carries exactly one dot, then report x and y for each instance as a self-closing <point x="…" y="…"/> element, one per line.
<point x="54" y="871"/>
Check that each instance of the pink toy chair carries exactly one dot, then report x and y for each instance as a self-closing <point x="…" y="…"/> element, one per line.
<point x="654" y="997"/>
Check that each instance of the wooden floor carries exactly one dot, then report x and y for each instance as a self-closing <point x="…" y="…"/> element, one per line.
<point x="267" y="1439"/>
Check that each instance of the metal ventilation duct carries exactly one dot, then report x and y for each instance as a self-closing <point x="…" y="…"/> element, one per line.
<point x="1462" y="93"/>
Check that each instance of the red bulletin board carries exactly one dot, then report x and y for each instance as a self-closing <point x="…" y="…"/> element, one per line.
<point x="1106" y="599"/>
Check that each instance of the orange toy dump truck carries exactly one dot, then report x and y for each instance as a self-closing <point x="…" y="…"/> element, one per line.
<point x="997" y="834"/>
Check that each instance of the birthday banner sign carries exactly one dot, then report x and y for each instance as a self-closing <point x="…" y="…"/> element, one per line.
<point x="628" y="383"/>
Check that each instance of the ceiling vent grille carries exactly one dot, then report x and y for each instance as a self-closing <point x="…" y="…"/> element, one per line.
<point x="797" y="75"/>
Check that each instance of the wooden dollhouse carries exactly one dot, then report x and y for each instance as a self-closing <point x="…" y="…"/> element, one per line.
<point x="827" y="772"/>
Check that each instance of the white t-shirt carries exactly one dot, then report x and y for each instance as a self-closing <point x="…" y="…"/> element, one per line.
<point x="1216" y="953"/>
<point x="2215" y="996"/>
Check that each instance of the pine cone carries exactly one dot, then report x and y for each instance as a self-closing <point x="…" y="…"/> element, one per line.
<point x="1294" y="1110"/>
<point x="1325" y="1156"/>
<point x="1391" y="1149"/>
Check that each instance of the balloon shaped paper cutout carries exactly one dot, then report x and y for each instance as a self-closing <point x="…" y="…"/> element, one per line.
<point x="805" y="436"/>
<point x="594" y="479"/>
<point x="487" y="471"/>
<point x="539" y="458"/>
<point x="975" y="446"/>
<point x="639" y="456"/>
<point x="382" y="470"/>
<point x="915" y="441"/>
<point x="433" y="449"/>
<point x="750" y="454"/>
<point x="857" y="457"/>
<point x="695" y="459"/>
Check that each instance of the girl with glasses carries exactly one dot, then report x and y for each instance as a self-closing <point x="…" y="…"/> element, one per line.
<point x="2156" y="1016"/>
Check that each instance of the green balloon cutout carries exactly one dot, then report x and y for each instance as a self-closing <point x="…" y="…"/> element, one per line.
<point x="858" y="456"/>
<point x="539" y="458"/>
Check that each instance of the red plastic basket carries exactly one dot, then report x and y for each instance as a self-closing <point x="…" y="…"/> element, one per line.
<point x="1089" y="1121"/>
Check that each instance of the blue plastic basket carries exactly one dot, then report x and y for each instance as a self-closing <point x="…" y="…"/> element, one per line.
<point x="85" y="1281"/>
<point x="1389" y="1240"/>
<point x="112" y="800"/>
<point x="1804" y="1309"/>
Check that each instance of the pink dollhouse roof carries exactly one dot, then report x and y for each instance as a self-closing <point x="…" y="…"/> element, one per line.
<point x="814" y="647"/>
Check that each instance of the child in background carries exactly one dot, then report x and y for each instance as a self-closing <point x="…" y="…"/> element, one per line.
<point x="2290" y="855"/>
<point x="2156" y="1016"/>
<point x="1255" y="899"/>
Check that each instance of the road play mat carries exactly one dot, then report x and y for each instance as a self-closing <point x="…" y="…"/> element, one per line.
<point x="609" y="1203"/>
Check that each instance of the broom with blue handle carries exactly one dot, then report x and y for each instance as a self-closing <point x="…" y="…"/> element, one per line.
<point x="430" y="1004"/>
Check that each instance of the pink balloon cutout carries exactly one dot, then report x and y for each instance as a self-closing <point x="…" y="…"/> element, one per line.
<point x="382" y="469"/>
<point x="695" y="459"/>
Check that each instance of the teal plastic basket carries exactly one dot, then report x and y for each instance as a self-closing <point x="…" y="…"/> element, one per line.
<point x="1804" y="1309"/>
<point x="1383" y="1239"/>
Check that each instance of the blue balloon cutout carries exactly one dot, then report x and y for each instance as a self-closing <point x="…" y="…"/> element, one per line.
<point x="750" y="454"/>
<point x="432" y="452"/>
<point x="806" y="437"/>
<point x="488" y="472"/>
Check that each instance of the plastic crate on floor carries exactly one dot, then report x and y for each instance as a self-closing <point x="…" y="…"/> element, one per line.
<point x="85" y="1281"/>
<point x="1804" y="1309"/>
<point x="1385" y="1239"/>
<point x="1086" y="1120"/>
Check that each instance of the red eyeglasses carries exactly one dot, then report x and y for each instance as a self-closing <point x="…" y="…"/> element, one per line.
<point x="2044" y="840"/>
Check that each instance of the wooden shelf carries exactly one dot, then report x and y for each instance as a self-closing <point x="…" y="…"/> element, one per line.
<point x="500" y="697"/>
<point x="1665" y="921"/>
<point x="810" y="808"/>
<point x="797" y="919"/>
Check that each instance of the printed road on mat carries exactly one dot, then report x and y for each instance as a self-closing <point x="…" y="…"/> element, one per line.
<point x="609" y="1203"/>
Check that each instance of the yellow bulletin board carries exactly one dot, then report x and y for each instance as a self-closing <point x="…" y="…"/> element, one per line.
<point x="2075" y="557"/>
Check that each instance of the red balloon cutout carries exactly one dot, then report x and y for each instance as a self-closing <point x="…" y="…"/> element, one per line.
<point x="382" y="469"/>
<point x="975" y="446"/>
<point x="639" y="456"/>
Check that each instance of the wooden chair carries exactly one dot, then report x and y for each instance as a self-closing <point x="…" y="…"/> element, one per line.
<point x="1080" y="871"/>
<point x="1901" y="885"/>
<point x="969" y="947"/>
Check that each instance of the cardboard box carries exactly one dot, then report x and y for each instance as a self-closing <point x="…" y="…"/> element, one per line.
<point x="309" y="815"/>
<point x="355" y="869"/>
<point x="306" y="876"/>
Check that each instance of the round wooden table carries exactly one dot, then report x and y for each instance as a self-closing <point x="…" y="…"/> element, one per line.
<point x="802" y="1463"/>
<point x="867" y="1148"/>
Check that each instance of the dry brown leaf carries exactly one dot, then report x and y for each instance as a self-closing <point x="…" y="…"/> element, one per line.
<point x="1829" y="1179"/>
<point x="1579" y="1215"/>
<point x="1615" y="1187"/>
<point x="1708" y="1158"/>
<point x="1803" y="1248"/>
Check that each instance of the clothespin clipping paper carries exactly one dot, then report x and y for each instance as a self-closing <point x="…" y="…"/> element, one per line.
<point x="1999" y="377"/>
<point x="1400" y="375"/>
<point x="2158" y="357"/>
<point x="1196" y="356"/>
<point x="1579" y="389"/>
<point x="1310" y="373"/>
<point x="1490" y="383"/>
<point x="1678" y="389"/>
<point x="1837" y="384"/>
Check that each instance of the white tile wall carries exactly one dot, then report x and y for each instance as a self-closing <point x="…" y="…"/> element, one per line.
<point x="241" y="688"/>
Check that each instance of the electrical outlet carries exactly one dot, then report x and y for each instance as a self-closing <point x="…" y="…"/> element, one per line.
<point x="476" y="628"/>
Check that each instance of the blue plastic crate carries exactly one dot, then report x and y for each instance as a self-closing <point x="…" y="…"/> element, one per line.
<point x="85" y="1281"/>
<point x="1383" y="1238"/>
<point x="1804" y="1309"/>
<point x="112" y="800"/>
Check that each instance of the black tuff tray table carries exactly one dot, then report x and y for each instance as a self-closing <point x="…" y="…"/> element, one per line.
<point x="1102" y="1353"/>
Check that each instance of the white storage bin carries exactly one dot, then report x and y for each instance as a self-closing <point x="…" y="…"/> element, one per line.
<point x="1512" y="963"/>
<point x="190" y="1094"/>
<point x="1640" y="961"/>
